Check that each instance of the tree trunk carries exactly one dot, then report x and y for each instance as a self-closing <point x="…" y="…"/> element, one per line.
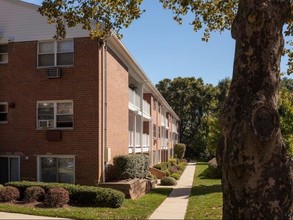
<point x="257" y="172"/>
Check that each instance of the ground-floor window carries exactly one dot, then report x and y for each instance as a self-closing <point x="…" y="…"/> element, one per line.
<point x="60" y="169"/>
<point x="9" y="168"/>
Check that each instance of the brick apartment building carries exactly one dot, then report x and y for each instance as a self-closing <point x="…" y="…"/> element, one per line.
<point x="68" y="107"/>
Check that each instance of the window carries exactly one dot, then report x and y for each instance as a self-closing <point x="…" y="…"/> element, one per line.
<point x="154" y="105"/>
<point x="3" y="112"/>
<point x="55" y="53"/>
<point x="154" y="131"/>
<point x="9" y="169"/>
<point x="55" y="114"/>
<point x="60" y="169"/>
<point x="3" y="53"/>
<point x="159" y="133"/>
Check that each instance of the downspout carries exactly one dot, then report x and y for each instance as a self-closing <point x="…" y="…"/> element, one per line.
<point x="104" y="85"/>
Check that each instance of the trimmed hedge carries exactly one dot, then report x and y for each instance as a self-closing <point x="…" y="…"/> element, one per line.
<point x="56" y="197"/>
<point x="131" y="166"/>
<point x="179" y="150"/>
<point x="83" y="195"/>
<point x="168" y="181"/>
<point x="9" y="194"/>
<point x="33" y="194"/>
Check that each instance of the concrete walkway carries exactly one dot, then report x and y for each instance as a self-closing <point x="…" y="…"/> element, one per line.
<point x="8" y="215"/>
<point x="174" y="207"/>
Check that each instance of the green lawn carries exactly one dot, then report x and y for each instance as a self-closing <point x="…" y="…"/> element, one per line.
<point x="205" y="201"/>
<point x="131" y="209"/>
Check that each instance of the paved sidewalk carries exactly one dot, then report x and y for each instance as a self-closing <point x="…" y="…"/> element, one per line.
<point x="8" y="215"/>
<point x="174" y="207"/>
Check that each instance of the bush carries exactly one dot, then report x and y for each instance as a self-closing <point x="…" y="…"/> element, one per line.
<point x="174" y="169"/>
<point x="176" y="176"/>
<point x="9" y="194"/>
<point x="162" y="166"/>
<point x="172" y="162"/>
<point x="131" y="166"/>
<point x="56" y="197"/>
<point x="1" y="186"/>
<point x="181" y="166"/>
<point x="110" y="198"/>
<point x="167" y="172"/>
<point x="179" y="150"/>
<point x="213" y="169"/>
<point x="168" y="181"/>
<point x="33" y="194"/>
<point x="83" y="195"/>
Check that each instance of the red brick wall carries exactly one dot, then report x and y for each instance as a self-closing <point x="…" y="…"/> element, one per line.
<point x="24" y="84"/>
<point x="117" y="106"/>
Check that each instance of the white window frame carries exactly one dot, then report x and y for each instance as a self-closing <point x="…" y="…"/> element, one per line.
<point x="4" y="62"/>
<point x="12" y="156"/>
<point x="39" y="175"/>
<point x="4" y="103"/>
<point x="55" y="102"/>
<point x="55" y="43"/>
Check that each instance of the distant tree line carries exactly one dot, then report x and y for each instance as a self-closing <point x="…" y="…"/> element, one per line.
<point x="199" y="105"/>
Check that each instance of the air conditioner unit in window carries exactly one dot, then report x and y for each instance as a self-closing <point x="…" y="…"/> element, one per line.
<point x="45" y="124"/>
<point x="53" y="73"/>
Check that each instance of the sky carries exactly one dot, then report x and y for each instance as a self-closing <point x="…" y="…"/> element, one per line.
<point x="165" y="49"/>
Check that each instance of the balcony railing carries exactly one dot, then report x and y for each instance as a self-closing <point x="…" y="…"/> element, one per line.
<point x="134" y="98"/>
<point x="146" y="108"/>
<point x="136" y="144"/>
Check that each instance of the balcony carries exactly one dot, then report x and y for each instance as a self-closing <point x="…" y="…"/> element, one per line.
<point x="133" y="99"/>
<point x="136" y="144"/>
<point x="146" y="108"/>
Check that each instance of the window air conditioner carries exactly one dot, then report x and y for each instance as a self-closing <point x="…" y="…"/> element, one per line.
<point x="53" y="73"/>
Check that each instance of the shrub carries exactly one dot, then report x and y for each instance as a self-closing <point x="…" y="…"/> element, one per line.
<point x="33" y="194"/>
<point x="179" y="150"/>
<point x="181" y="166"/>
<point x="167" y="172"/>
<point x="9" y="194"/>
<point x="131" y="166"/>
<point x="172" y="162"/>
<point x="56" y="197"/>
<point x="174" y="169"/>
<point x="168" y="181"/>
<point x="1" y="186"/>
<point x="162" y="166"/>
<point x="176" y="176"/>
<point x="110" y="198"/>
<point x="213" y="169"/>
<point x="83" y="195"/>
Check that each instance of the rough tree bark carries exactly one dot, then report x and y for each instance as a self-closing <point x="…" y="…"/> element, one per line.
<point x="257" y="172"/>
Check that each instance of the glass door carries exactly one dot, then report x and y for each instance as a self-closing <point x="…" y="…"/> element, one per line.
<point x="9" y="169"/>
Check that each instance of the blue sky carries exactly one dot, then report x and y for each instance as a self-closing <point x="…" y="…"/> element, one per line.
<point x="165" y="49"/>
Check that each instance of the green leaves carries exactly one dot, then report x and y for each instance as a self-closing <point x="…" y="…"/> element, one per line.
<point x="99" y="17"/>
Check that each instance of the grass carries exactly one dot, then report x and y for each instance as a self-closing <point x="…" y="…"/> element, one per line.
<point x="205" y="201"/>
<point x="131" y="209"/>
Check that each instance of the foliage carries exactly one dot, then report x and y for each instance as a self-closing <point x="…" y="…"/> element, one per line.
<point x="181" y="166"/>
<point x="56" y="197"/>
<point x="140" y="208"/>
<point x="193" y="101"/>
<point x="168" y="181"/>
<point x="176" y="176"/>
<point x="179" y="150"/>
<point x="1" y="186"/>
<point x="174" y="169"/>
<point x="131" y="166"/>
<point x="98" y="17"/>
<point x="286" y="112"/>
<point x="213" y="170"/>
<point x="33" y="194"/>
<point x="82" y="195"/>
<point x="205" y="201"/>
<point x="9" y="194"/>
<point x="162" y="166"/>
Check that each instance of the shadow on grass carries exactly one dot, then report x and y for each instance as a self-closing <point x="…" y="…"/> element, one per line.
<point x="162" y="191"/>
<point x="204" y="190"/>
